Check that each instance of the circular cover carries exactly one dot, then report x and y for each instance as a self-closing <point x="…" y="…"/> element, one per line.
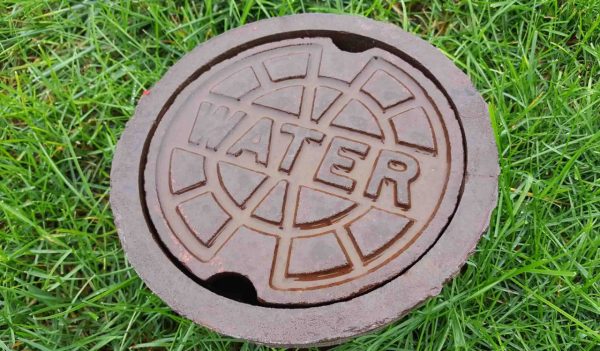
<point x="305" y="179"/>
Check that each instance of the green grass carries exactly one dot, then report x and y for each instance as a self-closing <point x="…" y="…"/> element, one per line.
<point x="70" y="76"/>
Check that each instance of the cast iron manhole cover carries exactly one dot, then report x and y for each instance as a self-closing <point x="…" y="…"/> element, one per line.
<point x="304" y="179"/>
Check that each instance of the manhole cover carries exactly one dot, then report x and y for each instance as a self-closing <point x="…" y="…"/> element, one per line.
<point x="304" y="179"/>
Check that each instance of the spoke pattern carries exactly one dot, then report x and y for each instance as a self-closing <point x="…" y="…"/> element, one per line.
<point x="337" y="238"/>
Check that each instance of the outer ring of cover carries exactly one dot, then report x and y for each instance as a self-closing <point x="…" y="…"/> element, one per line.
<point x="336" y="322"/>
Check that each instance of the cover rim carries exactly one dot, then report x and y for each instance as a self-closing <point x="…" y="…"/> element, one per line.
<point x="337" y="321"/>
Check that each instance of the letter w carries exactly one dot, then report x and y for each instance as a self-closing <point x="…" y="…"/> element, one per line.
<point x="213" y="125"/>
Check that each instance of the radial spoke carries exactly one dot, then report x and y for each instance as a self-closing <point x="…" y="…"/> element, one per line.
<point x="349" y="247"/>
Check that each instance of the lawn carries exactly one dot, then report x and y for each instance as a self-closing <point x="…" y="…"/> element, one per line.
<point x="70" y="76"/>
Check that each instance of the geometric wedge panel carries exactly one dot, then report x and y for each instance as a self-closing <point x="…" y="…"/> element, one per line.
<point x="287" y="66"/>
<point x="316" y="207"/>
<point x="286" y="99"/>
<point x="237" y="84"/>
<point x="376" y="229"/>
<point x="316" y="255"/>
<point x="324" y="97"/>
<point x="187" y="170"/>
<point x="204" y="217"/>
<point x="413" y="128"/>
<point x="272" y="206"/>
<point x="239" y="182"/>
<point x="386" y="90"/>
<point x="355" y="116"/>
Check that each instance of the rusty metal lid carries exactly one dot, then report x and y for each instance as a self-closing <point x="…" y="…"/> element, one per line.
<point x="305" y="179"/>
